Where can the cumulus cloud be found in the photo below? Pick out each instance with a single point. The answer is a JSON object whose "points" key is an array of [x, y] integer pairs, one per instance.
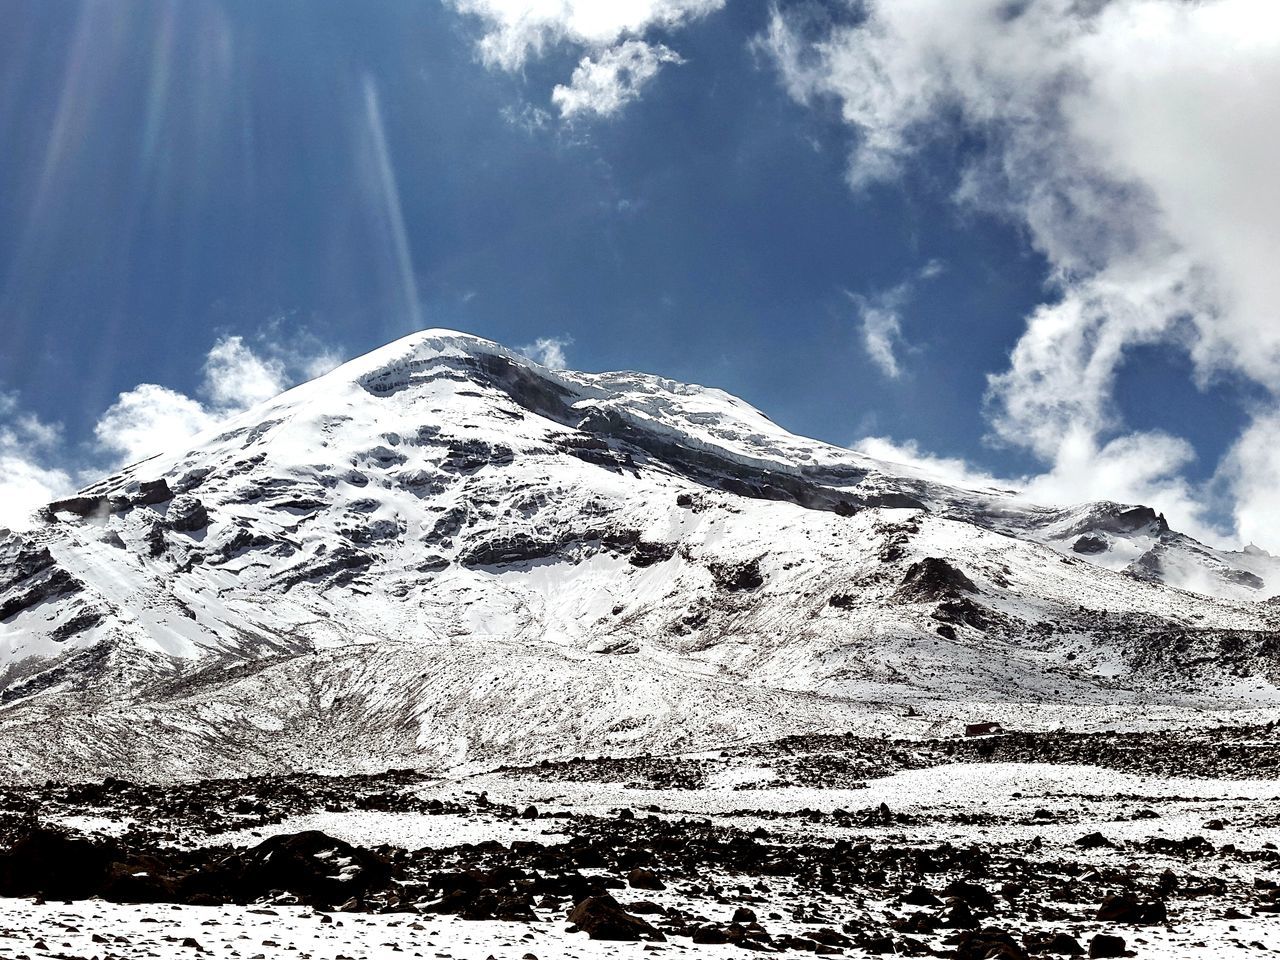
{"points": [[602, 84], [548, 351], [235, 377], [150, 419], [1135, 468], [37, 466], [516, 30], [1251, 470], [617, 61], [1134, 142], [27, 482]]}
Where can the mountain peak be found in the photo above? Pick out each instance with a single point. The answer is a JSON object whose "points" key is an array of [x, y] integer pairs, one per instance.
{"points": [[444, 520]]}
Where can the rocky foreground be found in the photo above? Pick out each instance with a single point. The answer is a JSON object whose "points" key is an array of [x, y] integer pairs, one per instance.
{"points": [[1008, 846]]}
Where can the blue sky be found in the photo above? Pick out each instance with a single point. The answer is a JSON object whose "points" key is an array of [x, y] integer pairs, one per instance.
{"points": [[754, 202]]}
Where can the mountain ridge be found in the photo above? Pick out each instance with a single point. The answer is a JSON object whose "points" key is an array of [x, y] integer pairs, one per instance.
{"points": [[379, 535]]}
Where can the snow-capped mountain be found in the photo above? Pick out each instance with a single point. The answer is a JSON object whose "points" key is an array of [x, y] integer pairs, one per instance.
{"points": [[443, 552]]}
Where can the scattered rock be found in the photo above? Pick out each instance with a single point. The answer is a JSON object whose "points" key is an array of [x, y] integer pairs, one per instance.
{"points": [[1106, 945]]}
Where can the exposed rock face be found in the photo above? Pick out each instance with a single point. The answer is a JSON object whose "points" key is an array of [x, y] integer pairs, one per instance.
{"points": [[29, 576], [1090, 543], [444, 509], [187, 514], [934, 578]]}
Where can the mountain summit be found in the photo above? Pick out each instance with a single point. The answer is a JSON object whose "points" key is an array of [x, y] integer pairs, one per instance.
{"points": [[443, 552]]}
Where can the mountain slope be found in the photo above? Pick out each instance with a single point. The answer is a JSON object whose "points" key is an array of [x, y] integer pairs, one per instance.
{"points": [[443, 552]]}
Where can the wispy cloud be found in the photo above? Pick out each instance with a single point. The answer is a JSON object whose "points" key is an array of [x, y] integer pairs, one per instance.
{"points": [[603, 83], [881, 332], [617, 60], [548, 351], [880, 320], [1134, 142]]}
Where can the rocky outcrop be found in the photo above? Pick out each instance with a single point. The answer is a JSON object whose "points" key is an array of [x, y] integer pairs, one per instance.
{"points": [[934, 578]]}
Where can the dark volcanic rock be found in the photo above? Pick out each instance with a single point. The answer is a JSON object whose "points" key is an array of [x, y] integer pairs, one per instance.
{"points": [[601, 918], [1106, 945], [643, 879], [29, 575], [1125, 908], [934, 578], [187, 514], [151, 492], [1090, 543], [735, 577], [1093, 841], [317, 868], [1063, 944], [989, 944], [50, 864]]}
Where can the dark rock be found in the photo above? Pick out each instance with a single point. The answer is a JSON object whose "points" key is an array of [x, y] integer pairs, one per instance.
{"points": [[1106, 945], [1090, 543], [934, 579], [957, 915], [1124, 908], [643, 879], [320, 870], [920, 897], [601, 918], [878, 945], [1063, 944], [988, 944], [151, 492], [737, 577], [1092, 841], [48, 863], [186, 514]]}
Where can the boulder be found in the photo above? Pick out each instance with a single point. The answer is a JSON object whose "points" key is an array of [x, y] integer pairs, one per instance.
{"points": [[643, 879], [48, 863], [600, 917], [318, 869], [186, 514], [1106, 945]]}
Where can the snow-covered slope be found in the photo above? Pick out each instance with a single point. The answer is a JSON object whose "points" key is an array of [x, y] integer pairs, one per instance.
{"points": [[444, 552]]}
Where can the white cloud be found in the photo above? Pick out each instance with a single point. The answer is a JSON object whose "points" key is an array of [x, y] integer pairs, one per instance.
{"points": [[1251, 473], [604, 83], [1136, 468], [617, 61], [36, 465], [881, 333], [880, 319], [150, 419], [926, 466], [517, 30], [1135, 142], [548, 351], [26, 481], [236, 378]]}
